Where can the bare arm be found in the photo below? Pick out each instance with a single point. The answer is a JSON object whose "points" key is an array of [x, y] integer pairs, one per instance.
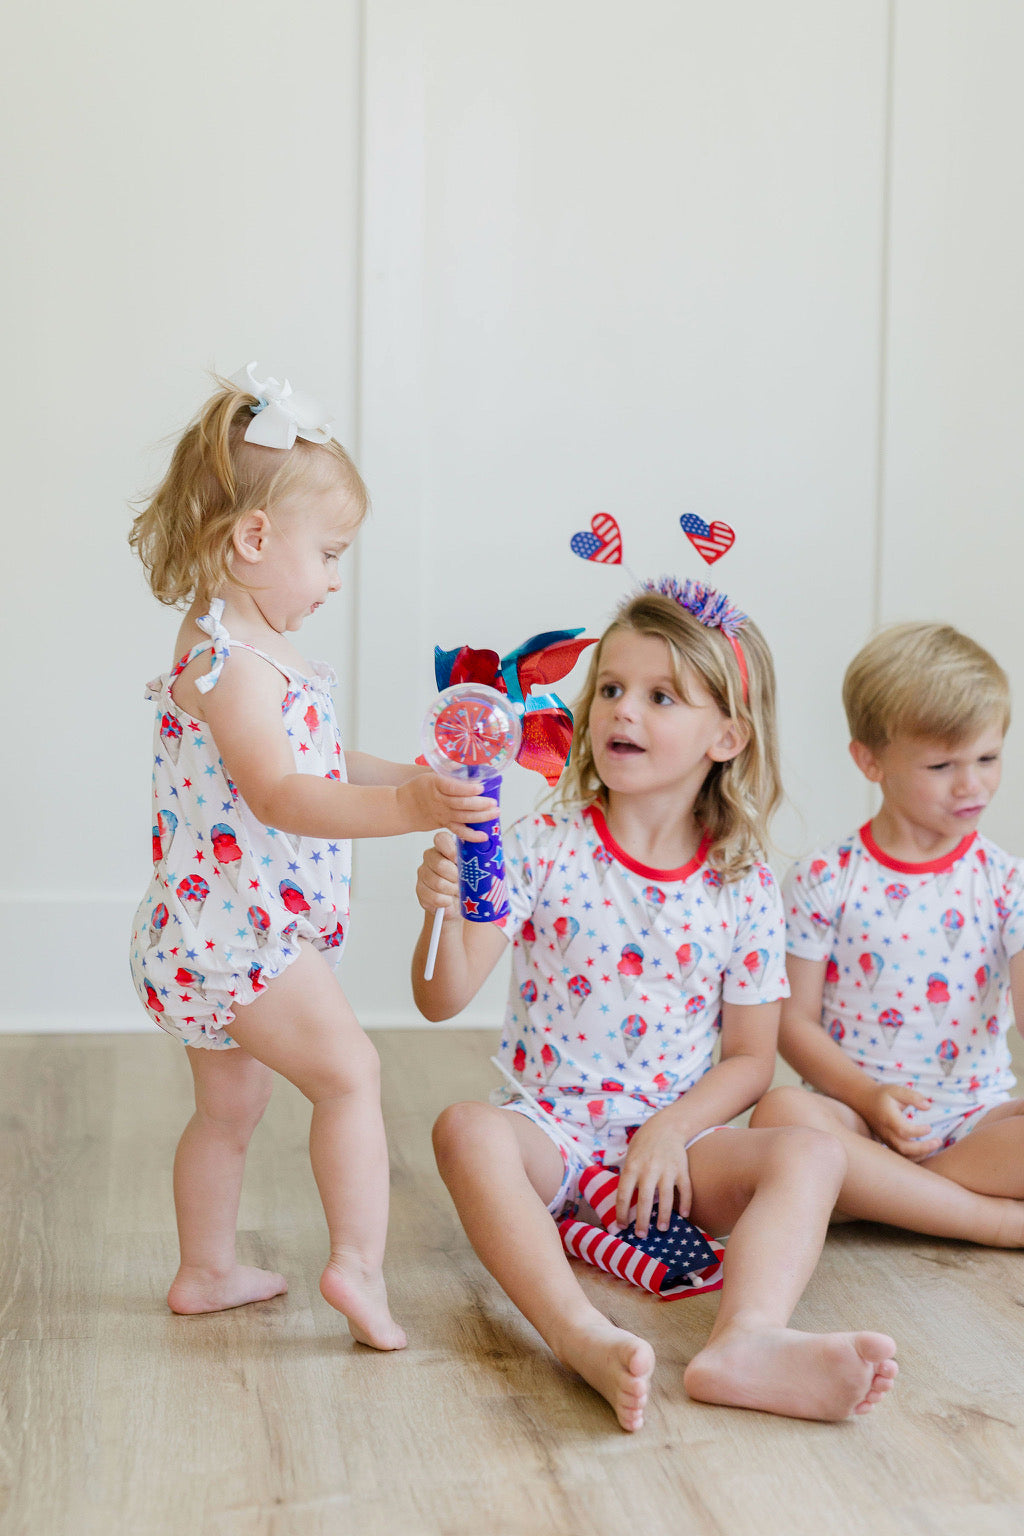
{"points": [[243, 714], [1017, 989], [656, 1165], [808, 1048], [812, 1052], [362, 768], [466, 952]]}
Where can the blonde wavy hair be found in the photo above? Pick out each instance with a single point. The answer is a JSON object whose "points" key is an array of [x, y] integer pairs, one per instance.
{"points": [[183, 532], [738, 798], [923, 680]]}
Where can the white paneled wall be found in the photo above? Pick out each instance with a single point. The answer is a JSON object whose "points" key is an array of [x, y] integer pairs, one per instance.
{"points": [[755, 262], [953, 507]]}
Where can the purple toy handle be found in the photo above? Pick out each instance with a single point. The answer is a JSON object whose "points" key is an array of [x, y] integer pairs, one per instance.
{"points": [[482, 890]]}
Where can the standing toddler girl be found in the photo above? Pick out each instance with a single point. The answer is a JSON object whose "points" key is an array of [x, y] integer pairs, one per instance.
{"points": [[246, 914], [642, 923]]}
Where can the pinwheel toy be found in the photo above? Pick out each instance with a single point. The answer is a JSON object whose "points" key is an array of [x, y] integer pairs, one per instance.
{"points": [[472, 732], [484, 718]]}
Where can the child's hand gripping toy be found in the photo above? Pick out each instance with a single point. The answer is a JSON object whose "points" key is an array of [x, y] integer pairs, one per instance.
{"points": [[472, 732], [484, 718]]}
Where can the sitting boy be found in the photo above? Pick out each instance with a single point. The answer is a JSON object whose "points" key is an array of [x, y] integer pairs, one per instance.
{"points": [[906, 954]]}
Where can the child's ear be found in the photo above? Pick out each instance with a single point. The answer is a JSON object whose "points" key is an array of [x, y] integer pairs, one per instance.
{"points": [[733, 738], [866, 761], [250, 536]]}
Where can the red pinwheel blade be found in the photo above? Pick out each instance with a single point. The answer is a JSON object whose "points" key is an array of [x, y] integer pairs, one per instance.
{"points": [[547, 737], [477, 667], [547, 666]]}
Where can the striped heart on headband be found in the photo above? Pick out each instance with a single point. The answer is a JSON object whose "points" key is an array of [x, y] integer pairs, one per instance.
{"points": [[710, 540], [603, 545]]}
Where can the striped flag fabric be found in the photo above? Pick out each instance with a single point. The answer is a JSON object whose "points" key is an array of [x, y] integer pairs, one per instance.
{"points": [[670, 1265], [710, 540], [603, 544]]}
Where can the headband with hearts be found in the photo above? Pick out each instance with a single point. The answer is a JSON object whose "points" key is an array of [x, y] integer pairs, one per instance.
{"points": [[712, 609], [602, 545]]}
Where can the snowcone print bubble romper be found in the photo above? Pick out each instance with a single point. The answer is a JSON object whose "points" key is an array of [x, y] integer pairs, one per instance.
{"points": [[230, 898]]}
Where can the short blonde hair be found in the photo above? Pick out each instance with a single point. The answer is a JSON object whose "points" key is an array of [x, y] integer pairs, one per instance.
{"points": [[183, 532], [737, 799], [923, 680]]}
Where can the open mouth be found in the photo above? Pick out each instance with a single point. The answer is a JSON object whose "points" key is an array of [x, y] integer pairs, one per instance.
{"points": [[620, 746]]}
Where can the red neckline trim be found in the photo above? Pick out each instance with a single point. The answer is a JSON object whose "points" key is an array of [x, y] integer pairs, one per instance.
{"points": [[932, 867], [601, 828]]}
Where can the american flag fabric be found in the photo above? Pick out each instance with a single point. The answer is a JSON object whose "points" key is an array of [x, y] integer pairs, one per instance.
{"points": [[603, 545], [680, 1262], [710, 540]]}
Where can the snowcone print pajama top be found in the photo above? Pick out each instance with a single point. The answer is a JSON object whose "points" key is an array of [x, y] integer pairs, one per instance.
{"points": [[619, 972], [917, 985]]}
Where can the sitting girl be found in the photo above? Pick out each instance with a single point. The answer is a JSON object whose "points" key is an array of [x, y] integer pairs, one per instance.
{"points": [[643, 924]]}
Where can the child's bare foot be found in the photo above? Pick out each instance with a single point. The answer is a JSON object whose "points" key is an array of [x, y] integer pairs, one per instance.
{"points": [[363, 1299], [615, 1363], [803, 1375], [200, 1290]]}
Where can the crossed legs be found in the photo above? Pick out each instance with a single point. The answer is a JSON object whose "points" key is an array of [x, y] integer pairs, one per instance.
{"points": [[973, 1190]]}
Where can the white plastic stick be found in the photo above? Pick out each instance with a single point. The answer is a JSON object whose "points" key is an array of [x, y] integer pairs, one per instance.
{"points": [[557, 1134], [435, 936]]}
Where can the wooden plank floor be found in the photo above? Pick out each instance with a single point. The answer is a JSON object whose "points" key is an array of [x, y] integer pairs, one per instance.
{"points": [[117, 1417]]}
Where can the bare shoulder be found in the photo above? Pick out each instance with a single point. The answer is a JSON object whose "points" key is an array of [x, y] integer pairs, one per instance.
{"points": [[243, 670]]}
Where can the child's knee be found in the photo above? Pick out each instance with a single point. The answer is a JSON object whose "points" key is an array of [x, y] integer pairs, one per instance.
{"points": [[781, 1106], [355, 1068], [235, 1110], [804, 1151], [458, 1129]]}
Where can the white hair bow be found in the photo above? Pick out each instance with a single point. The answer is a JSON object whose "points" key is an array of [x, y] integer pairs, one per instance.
{"points": [[280, 414]]}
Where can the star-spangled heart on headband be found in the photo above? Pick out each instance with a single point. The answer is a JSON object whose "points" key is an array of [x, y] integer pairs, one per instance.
{"points": [[546, 721], [710, 540], [603, 545]]}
